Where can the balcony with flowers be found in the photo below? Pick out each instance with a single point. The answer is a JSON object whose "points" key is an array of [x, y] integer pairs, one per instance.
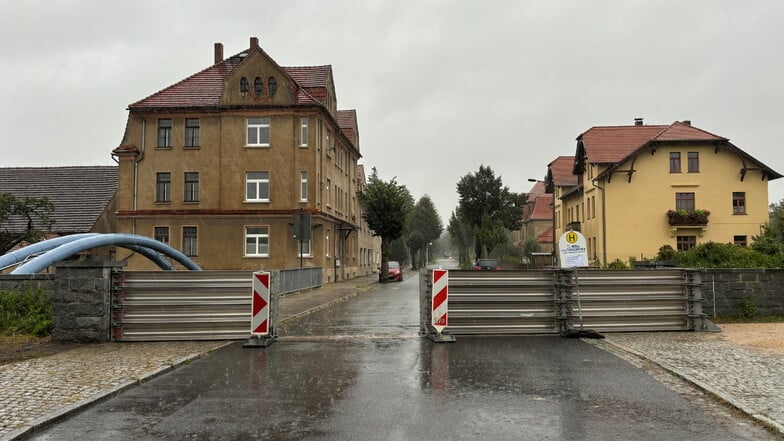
{"points": [[688, 219]]}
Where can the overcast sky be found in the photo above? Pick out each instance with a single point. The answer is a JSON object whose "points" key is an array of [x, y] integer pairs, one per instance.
{"points": [[440, 87]]}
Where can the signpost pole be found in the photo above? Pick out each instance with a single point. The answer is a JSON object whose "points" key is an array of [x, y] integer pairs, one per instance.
{"points": [[573, 254]]}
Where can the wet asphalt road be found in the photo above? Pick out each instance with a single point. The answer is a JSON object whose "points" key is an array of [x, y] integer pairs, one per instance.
{"points": [[358, 371]]}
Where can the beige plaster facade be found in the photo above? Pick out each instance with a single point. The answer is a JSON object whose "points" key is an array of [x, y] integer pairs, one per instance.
{"points": [[218, 165]]}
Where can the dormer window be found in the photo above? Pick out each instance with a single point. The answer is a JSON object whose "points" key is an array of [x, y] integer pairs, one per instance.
{"points": [[273, 86], [244, 86], [258, 86]]}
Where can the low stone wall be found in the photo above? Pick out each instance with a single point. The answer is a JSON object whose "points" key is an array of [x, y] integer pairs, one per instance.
{"points": [[82, 301], [27, 282], [741, 292]]}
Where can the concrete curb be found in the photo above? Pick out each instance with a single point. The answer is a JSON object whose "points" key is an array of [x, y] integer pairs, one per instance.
{"points": [[720, 395], [64, 412]]}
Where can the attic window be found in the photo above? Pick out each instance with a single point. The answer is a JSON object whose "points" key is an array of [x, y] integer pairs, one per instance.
{"points": [[244, 86], [258, 86], [273, 86]]}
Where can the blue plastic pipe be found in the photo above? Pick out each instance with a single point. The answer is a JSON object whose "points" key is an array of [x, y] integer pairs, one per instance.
{"points": [[21, 254], [69, 249]]}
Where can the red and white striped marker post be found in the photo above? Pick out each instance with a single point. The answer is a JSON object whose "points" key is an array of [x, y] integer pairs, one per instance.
{"points": [[260, 312], [440, 299], [259, 322]]}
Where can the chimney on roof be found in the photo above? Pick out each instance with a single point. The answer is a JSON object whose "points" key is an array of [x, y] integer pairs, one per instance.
{"points": [[218, 52], [254, 42], [687, 122], [637, 121]]}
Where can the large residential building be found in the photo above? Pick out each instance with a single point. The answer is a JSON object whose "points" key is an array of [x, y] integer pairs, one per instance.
{"points": [[218, 165], [639, 187]]}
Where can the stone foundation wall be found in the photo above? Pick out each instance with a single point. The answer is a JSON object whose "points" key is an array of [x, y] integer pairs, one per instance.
{"points": [[82, 301], [25, 283], [740, 292]]}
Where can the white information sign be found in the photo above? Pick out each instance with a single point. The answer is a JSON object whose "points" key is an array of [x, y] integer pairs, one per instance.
{"points": [[572, 250]]}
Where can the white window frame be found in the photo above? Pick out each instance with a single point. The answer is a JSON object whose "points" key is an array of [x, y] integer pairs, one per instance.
{"points": [[307, 249], [194, 250], [326, 192], [259, 184], [190, 187], [192, 129], [260, 238], [303, 131], [161, 228], [303, 186], [163, 184], [260, 125], [165, 126]]}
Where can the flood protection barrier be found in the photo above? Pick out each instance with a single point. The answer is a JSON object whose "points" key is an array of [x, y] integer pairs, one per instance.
{"points": [[546, 301]]}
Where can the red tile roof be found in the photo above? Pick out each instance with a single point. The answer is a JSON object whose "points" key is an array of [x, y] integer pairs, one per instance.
{"points": [[200, 89], [537, 190], [347, 120], [310, 76], [608, 145], [546, 236], [205, 88], [542, 208], [615, 145], [561, 170]]}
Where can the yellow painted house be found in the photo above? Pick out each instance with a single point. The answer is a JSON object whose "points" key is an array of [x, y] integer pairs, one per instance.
{"points": [[640, 187]]}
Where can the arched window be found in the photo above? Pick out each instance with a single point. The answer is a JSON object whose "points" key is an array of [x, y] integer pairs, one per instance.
{"points": [[258, 86], [273, 86], [243, 86]]}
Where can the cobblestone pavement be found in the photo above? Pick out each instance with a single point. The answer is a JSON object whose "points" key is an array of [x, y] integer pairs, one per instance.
{"points": [[45, 387], [748, 379]]}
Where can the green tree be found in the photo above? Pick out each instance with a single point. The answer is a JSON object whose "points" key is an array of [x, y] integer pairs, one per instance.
{"points": [[386, 207], [23, 220], [771, 241], [398, 250], [489, 207], [461, 236], [531, 246], [424, 226]]}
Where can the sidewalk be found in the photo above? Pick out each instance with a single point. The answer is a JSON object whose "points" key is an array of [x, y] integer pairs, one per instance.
{"points": [[36, 391], [750, 380]]}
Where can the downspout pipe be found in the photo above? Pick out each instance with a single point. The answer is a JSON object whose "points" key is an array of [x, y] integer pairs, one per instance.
{"points": [[136, 175], [604, 222]]}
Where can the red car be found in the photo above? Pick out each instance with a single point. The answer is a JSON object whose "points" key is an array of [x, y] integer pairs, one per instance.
{"points": [[395, 271]]}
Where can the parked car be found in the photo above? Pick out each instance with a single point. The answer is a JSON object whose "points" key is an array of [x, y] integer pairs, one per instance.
{"points": [[395, 271], [487, 265]]}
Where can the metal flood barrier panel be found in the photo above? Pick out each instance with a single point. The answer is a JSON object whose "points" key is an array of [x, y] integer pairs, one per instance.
{"points": [[546, 301], [631, 300], [498, 302], [181, 305]]}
